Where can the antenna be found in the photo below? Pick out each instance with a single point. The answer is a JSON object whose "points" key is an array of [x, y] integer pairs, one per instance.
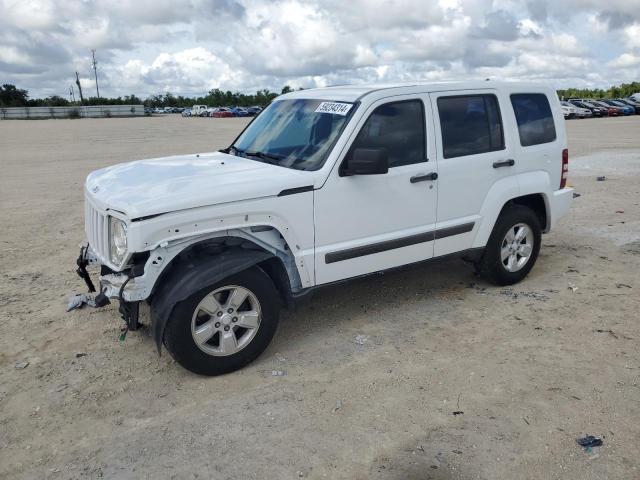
{"points": [[95, 70], [79, 88]]}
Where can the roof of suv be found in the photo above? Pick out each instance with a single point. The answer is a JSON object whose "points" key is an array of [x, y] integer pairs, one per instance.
{"points": [[352, 93]]}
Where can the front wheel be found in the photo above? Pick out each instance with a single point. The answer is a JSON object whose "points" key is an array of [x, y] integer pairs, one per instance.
{"points": [[224, 326], [513, 246]]}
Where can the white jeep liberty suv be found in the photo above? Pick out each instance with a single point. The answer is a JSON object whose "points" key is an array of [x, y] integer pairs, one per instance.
{"points": [[325, 185]]}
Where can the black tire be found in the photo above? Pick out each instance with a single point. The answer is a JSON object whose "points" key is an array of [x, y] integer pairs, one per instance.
{"points": [[180, 343], [491, 266]]}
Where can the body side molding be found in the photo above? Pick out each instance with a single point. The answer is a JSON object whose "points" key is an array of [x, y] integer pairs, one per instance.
{"points": [[379, 247]]}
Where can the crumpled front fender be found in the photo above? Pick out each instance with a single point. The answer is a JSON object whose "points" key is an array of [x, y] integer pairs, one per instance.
{"points": [[193, 273]]}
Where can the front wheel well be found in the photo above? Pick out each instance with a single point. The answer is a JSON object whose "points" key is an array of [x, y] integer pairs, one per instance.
{"points": [[535, 202], [276, 270], [273, 266]]}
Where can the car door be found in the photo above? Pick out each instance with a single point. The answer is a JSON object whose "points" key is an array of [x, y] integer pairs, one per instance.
{"points": [[367, 223], [473, 154]]}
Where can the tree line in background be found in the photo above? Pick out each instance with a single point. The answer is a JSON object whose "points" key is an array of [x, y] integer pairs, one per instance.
{"points": [[11, 96], [622, 91]]}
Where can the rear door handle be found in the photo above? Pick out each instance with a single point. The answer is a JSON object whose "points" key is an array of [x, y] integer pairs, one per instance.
{"points": [[504, 163], [429, 177]]}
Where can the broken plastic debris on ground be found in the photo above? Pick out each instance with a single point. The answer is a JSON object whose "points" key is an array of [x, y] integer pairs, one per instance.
{"points": [[79, 300], [589, 441], [22, 365], [591, 445]]}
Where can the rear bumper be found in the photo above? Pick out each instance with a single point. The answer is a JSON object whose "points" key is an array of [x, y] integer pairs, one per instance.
{"points": [[559, 204]]}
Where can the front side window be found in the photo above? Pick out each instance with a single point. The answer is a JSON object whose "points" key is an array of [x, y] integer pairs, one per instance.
{"points": [[296, 133], [534, 117], [470, 124], [398, 128]]}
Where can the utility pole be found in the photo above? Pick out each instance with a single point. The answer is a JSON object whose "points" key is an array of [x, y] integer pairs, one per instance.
{"points": [[95, 71], [72, 96], [79, 88]]}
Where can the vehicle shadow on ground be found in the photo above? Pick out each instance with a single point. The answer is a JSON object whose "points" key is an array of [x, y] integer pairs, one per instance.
{"points": [[377, 295]]}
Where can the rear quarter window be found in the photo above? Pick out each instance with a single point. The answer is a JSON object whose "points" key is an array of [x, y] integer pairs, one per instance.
{"points": [[534, 117]]}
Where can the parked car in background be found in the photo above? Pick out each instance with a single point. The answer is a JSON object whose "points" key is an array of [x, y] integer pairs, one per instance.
{"points": [[148, 110], [612, 111], [158, 110], [196, 110], [253, 111], [595, 110], [222, 112], [584, 112], [568, 110], [626, 109], [239, 112], [630, 103], [635, 97], [186, 112]]}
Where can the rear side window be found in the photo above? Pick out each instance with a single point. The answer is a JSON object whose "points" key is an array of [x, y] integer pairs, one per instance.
{"points": [[470, 124], [397, 127], [535, 121]]}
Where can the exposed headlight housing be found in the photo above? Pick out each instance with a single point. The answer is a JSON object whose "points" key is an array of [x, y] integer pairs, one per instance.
{"points": [[117, 240]]}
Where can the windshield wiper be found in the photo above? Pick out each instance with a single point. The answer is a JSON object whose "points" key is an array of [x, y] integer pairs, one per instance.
{"points": [[268, 157]]}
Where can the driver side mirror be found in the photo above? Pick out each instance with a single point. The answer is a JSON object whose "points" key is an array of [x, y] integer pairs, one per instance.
{"points": [[366, 161]]}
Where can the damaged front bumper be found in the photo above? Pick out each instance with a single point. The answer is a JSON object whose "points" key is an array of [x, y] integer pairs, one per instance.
{"points": [[136, 282], [126, 287], [130, 285]]}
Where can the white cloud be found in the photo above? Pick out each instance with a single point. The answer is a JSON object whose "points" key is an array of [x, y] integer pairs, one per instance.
{"points": [[12, 55], [181, 72], [632, 35], [626, 60], [190, 46]]}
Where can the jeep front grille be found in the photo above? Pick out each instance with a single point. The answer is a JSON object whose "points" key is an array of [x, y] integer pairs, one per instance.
{"points": [[96, 228]]}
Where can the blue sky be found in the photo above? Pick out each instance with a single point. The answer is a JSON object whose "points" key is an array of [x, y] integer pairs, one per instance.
{"points": [[188, 47]]}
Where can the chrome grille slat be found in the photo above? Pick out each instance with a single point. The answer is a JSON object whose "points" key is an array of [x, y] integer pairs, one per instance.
{"points": [[95, 225], [104, 230]]}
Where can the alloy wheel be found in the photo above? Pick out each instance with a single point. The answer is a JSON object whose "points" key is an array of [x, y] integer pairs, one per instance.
{"points": [[226, 320]]}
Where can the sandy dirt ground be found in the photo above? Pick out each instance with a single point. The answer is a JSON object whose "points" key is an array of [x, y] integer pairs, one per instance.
{"points": [[374, 370]]}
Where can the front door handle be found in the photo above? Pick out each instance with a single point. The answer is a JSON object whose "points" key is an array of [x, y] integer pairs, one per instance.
{"points": [[429, 177], [504, 163]]}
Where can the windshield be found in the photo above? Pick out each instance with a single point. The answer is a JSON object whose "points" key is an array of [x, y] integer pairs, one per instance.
{"points": [[295, 133]]}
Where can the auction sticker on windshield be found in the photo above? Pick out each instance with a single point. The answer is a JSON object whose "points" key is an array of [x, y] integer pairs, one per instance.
{"points": [[336, 108]]}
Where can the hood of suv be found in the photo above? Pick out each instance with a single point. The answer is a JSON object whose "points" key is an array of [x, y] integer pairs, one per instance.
{"points": [[161, 185]]}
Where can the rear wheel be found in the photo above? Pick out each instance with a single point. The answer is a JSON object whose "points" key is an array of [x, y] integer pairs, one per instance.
{"points": [[513, 246], [224, 326]]}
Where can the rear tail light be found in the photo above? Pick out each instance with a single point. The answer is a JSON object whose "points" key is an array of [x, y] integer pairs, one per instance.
{"points": [[565, 168]]}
